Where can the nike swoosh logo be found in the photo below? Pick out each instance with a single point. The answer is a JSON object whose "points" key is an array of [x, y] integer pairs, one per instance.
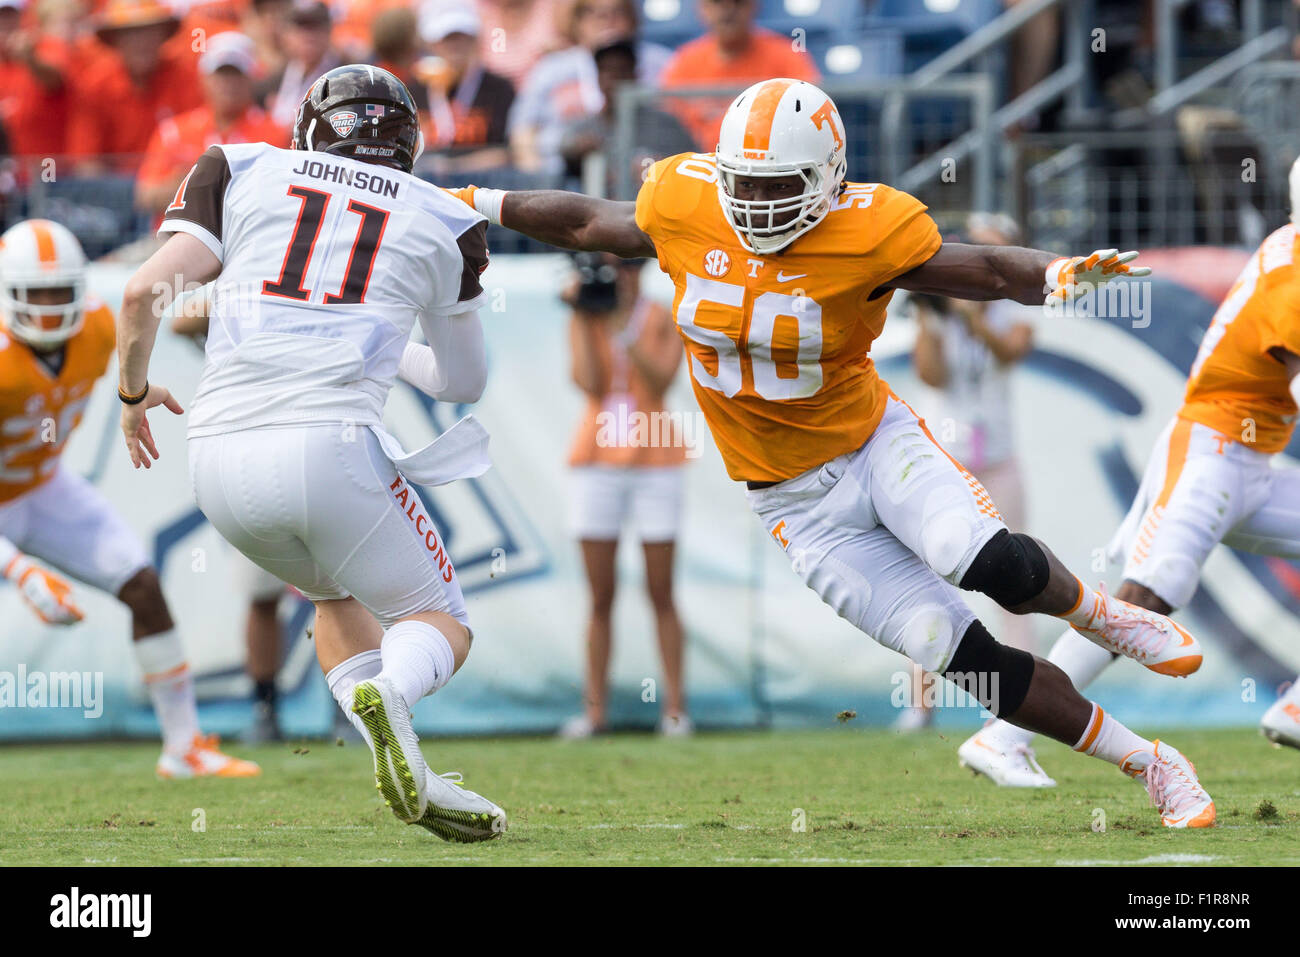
{"points": [[782, 277]]}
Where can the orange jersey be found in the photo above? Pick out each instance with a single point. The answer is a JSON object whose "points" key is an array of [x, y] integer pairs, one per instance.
{"points": [[38, 411], [1236, 387], [180, 140], [777, 345]]}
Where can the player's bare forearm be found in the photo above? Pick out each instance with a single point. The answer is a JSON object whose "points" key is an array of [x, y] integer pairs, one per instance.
{"points": [[981, 273], [575, 221]]}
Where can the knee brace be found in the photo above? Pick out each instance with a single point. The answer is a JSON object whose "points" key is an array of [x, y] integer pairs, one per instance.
{"points": [[995, 675], [1010, 568]]}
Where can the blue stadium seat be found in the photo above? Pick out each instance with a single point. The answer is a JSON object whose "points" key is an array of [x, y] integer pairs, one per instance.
{"points": [[862, 56], [815, 16], [931, 26], [670, 22]]}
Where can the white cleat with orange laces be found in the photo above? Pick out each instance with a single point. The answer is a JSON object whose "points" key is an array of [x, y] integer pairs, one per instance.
{"points": [[1149, 638], [203, 760], [1171, 781]]}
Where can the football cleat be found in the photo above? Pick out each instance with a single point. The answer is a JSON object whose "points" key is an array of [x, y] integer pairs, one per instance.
{"points": [[1281, 722], [1149, 638], [456, 813], [400, 772], [1171, 781], [1008, 766], [204, 760]]}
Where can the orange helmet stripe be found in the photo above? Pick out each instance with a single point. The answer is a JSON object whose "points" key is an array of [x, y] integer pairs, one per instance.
{"points": [[44, 243], [758, 127]]}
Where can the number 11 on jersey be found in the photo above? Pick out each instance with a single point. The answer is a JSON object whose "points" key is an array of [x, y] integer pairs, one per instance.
{"points": [[306, 231]]}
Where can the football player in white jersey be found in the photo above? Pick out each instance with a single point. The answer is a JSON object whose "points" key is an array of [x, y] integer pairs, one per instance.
{"points": [[325, 256]]}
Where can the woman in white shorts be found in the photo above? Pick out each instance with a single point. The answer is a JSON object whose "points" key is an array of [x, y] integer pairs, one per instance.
{"points": [[627, 459]]}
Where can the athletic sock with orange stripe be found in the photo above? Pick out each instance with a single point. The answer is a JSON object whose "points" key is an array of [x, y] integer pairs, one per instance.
{"points": [[171, 688], [1089, 612], [1109, 740]]}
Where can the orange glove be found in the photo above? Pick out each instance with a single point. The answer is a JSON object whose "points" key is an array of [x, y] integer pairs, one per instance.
{"points": [[1070, 277], [48, 595]]}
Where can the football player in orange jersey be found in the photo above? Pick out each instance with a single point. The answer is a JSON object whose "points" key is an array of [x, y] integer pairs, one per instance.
{"points": [[782, 273], [1210, 479], [54, 343]]}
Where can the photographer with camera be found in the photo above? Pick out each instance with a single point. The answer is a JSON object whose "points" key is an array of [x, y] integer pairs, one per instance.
{"points": [[627, 459]]}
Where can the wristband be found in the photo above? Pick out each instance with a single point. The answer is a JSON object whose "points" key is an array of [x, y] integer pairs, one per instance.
{"points": [[1053, 273], [488, 202], [132, 399]]}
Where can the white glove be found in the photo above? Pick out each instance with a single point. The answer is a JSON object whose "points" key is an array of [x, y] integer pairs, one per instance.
{"points": [[48, 595], [1070, 277]]}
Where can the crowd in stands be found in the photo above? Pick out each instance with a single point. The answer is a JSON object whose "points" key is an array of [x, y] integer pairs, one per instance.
{"points": [[121, 96], [135, 90]]}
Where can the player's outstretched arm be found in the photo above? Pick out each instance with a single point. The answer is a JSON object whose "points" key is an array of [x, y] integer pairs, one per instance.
{"points": [[182, 261], [1029, 276], [565, 219]]}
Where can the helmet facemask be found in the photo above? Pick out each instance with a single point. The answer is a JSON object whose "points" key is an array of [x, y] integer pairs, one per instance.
{"points": [[40, 326], [753, 219]]}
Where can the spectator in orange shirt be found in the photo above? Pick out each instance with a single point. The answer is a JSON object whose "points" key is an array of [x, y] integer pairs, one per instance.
{"points": [[120, 99], [734, 52], [34, 94], [203, 19], [229, 116], [308, 54]]}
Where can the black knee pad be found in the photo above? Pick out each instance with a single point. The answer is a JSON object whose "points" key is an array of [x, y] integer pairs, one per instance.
{"points": [[995, 675], [1011, 569]]}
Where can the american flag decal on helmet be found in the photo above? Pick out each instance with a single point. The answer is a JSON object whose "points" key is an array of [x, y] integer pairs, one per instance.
{"points": [[374, 109]]}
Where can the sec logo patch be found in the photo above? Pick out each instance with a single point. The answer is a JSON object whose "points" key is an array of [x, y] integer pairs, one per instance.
{"points": [[717, 262]]}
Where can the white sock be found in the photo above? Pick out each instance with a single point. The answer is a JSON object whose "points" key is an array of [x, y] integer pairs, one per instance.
{"points": [[171, 688], [1079, 658], [343, 677], [418, 659], [1109, 740]]}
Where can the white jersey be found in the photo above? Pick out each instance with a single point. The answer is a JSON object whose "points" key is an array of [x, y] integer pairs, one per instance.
{"points": [[327, 264]]}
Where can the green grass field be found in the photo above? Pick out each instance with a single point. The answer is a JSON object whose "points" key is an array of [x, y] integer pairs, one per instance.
{"points": [[869, 797]]}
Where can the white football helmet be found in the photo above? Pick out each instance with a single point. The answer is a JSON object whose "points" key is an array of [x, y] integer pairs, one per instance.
{"points": [[39, 254], [778, 128]]}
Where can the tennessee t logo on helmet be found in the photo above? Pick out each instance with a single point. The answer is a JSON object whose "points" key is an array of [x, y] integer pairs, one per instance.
{"points": [[777, 128]]}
